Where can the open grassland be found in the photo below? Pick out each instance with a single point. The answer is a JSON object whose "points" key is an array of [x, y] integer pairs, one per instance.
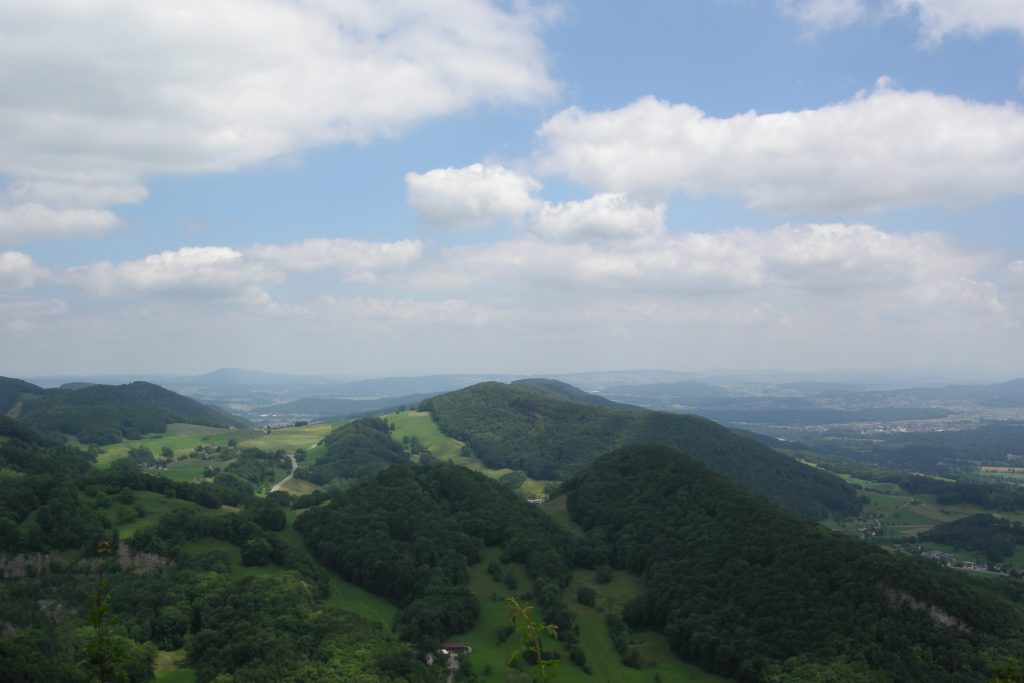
{"points": [[183, 438], [299, 487], [898, 512], [900, 516], [288, 438], [147, 508], [169, 667], [604, 661], [556, 508], [179, 437], [421, 425]]}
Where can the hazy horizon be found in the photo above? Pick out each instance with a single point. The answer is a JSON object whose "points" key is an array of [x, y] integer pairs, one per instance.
{"points": [[531, 188]]}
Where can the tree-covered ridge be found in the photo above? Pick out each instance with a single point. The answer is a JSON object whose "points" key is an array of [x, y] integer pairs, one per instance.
{"points": [[753, 592], [272, 628], [354, 452], [411, 534], [14, 391], [557, 389], [994, 537], [162, 591], [522, 428], [103, 414]]}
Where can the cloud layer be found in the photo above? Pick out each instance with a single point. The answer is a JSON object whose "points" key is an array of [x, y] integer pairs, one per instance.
{"points": [[882, 149], [99, 96]]}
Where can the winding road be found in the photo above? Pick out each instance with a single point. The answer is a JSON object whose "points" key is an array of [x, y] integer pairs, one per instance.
{"points": [[278, 485]]}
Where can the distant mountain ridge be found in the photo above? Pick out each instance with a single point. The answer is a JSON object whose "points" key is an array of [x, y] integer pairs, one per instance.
{"points": [[103, 414], [336, 408], [524, 427]]}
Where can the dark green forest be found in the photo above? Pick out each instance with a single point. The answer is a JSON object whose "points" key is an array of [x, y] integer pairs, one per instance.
{"points": [[992, 536], [104, 414], [355, 452], [411, 534], [753, 592], [737, 585], [155, 592], [549, 437]]}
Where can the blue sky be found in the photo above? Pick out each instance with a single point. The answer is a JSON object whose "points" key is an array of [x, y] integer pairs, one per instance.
{"points": [[354, 187]]}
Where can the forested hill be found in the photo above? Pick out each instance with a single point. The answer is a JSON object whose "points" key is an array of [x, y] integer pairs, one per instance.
{"points": [[557, 389], [15, 392], [524, 428], [103, 414], [753, 592]]}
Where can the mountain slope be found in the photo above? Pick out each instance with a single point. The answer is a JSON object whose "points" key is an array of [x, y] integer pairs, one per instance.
{"points": [[337, 408], [523, 428], [756, 593], [14, 391], [104, 414], [557, 389]]}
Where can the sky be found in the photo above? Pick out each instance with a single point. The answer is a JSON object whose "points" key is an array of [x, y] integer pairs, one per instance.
{"points": [[385, 187]]}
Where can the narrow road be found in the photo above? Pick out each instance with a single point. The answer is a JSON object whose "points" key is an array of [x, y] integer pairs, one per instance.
{"points": [[291, 474]]}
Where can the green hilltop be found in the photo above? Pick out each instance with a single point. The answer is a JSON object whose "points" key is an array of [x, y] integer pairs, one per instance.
{"points": [[549, 434], [105, 414]]}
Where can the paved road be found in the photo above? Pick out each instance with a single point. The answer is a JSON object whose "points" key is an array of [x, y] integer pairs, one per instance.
{"points": [[291, 474]]}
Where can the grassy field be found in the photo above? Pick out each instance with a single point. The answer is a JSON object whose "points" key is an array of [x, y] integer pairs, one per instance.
{"points": [[555, 507], [595, 642], [179, 437], [154, 506], [169, 667], [422, 426], [903, 515], [288, 438], [183, 438]]}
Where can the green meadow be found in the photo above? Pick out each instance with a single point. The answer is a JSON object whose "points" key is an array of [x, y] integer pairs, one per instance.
{"points": [[183, 438], [421, 425]]}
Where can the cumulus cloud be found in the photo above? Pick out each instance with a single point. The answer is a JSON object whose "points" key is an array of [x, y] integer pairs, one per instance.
{"points": [[819, 15], [120, 89], [880, 149], [940, 18], [472, 196], [24, 222], [199, 271], [18, 271], [100, 95], [607, 216], [357, 260]]}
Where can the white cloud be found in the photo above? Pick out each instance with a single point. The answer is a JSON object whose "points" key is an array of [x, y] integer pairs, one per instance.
{"points": [[603, 216], [115, 90], [940, 18], [25, 222], [472, 196], [74, 195], [881, 149], [821, 15], [18, 271], [357, 260], [198, 271]]}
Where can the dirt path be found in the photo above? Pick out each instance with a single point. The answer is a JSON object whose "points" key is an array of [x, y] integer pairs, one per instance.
{"points": [[278, 485]]}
